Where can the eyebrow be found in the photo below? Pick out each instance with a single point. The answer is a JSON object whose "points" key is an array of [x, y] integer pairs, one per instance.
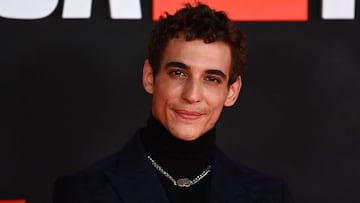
{"points": [[184, 66], [176, 64], [217, 72]]}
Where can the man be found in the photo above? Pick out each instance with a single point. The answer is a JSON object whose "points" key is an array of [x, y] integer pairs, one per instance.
{"points": [[193, 70]]}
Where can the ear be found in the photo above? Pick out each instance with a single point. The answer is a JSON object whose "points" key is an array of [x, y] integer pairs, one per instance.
{"points": [[233, 93], [148, 77]]}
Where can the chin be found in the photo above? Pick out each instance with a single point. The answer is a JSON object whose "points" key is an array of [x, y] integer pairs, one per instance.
{"points": [[186, 137]]}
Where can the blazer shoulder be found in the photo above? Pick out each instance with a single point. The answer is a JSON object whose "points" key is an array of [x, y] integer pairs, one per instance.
{"points": [[93, 181], [84, 184], [256, 183]]}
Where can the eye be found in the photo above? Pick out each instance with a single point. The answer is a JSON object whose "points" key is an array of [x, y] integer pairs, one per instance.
{"points": [[213, 79], [177, 73]]}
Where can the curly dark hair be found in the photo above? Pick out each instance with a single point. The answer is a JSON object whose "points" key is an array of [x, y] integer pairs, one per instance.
{"points": [[199, 22]]}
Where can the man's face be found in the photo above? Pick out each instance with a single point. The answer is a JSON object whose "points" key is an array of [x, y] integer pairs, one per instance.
{"points": [[191, 87]]}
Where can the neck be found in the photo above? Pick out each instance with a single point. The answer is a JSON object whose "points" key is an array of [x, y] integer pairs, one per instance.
{"points": [[178, 157]]}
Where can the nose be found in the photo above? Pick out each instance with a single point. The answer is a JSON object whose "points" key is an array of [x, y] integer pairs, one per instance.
{"points": [[192, 91]]}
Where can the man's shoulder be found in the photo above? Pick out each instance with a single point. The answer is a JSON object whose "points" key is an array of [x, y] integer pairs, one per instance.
{"points": [[256, 183], [109, 163], [95, 177], [96, 168], [82, 185], [87, 178]]}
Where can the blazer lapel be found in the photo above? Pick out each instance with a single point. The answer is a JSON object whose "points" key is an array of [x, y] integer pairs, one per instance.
{"points": [[134, 179], [226, 186]]}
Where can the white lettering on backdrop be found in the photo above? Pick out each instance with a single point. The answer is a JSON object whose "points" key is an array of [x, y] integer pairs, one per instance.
{"points": [[27, 9], [119, 9], [338, 9], [129, 9]]}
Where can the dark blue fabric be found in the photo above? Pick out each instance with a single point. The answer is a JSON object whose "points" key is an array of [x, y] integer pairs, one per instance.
{"points": [[128, 176]]}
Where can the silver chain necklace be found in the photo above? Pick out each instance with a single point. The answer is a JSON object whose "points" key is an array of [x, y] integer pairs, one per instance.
{"points": [[181, 182]]}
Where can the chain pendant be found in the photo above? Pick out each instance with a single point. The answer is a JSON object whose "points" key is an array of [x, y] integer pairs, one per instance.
{"points": [[184, 182]]}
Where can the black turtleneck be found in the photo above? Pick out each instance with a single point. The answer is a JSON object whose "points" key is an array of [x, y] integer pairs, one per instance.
{"points": [[180, 159]]}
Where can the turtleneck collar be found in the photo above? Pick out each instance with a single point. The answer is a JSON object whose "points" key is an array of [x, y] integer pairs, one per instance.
{"points": [[178, 157]]}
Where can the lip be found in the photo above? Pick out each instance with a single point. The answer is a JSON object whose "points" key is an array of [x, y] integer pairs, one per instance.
{"points": [[188, 115]]}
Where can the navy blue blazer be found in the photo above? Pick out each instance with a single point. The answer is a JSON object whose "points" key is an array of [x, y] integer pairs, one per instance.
{"points": [[128, 176]]}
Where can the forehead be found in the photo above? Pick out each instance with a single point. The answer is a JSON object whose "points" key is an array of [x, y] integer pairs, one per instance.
{"points": [[197, 54]]}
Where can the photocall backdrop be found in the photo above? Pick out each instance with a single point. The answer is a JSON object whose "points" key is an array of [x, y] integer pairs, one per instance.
{"points": [[71, 94]]}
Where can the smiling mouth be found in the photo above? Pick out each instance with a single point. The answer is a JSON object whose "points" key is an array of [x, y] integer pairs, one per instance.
{"points": [[188, 115]]}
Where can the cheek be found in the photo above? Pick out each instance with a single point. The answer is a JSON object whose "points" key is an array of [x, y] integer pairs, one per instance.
{"points": [[216, 99], [169, 90], [164, 94]]}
